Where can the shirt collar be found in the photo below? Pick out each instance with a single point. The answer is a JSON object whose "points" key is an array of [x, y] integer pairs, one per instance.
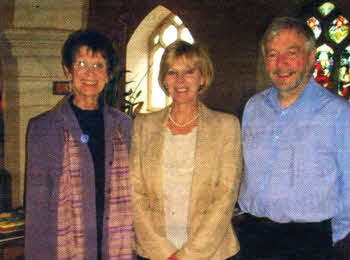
{"points": [[304, 101]]}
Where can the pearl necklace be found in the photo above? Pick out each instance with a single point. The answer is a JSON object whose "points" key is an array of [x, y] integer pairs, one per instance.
{"points": [[185, 124]]}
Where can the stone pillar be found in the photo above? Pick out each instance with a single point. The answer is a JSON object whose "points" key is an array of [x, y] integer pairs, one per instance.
{"points": [[30, 44]]}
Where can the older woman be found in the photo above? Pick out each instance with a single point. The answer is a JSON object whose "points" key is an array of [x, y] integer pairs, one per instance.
{"points": [[185, 167], [78, 191]]}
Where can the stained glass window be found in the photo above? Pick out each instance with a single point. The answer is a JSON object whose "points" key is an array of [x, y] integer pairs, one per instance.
{"points": [[339, 29], [326, 8], [344, 74], [331, 30], [323, 65], [315, 25]]}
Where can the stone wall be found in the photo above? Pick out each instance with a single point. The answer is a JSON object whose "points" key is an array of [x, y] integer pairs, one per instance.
{"points": [[31, 36]]}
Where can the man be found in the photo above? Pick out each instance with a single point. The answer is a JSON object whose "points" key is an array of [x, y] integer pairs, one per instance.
{"points": [[296, 139]]}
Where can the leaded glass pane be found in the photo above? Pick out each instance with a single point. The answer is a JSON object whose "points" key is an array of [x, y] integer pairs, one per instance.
{"points": [[326, 8], [169, 35], [339, 29], [324, 64], [186, 36], [344, 74], [158, 96], [315, 26]]}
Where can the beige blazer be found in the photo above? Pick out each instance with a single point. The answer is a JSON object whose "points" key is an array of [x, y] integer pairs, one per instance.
{"points": [[215, 185]]}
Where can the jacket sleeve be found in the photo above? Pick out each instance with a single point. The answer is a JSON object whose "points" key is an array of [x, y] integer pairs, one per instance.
{"points": [[154, 244], [215, 224], [37, 197]]}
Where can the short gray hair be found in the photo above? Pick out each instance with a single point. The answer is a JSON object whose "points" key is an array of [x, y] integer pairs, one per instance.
{"points": [[286, 23]]}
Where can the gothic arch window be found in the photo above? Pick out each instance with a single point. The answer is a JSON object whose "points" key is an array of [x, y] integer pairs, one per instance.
{"points": [[170, 30], [331, 29], [144, 49]]}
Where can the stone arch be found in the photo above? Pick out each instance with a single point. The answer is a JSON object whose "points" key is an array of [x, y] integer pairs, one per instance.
{"points": [[137, 48]]}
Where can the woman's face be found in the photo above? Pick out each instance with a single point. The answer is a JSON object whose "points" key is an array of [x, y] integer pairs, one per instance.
{"points": [[183, 82], [89, 75]]}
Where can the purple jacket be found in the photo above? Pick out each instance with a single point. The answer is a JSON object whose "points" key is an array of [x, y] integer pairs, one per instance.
{"points": [[43, 168]]}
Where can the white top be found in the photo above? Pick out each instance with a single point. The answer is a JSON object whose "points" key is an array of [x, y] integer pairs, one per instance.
{"points": [[178, 165]]}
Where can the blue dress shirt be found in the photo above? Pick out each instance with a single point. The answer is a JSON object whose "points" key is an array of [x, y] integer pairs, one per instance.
{"points": [[297, 159]]}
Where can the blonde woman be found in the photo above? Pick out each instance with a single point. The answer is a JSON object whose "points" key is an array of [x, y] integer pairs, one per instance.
{"points": [[185, 167]]}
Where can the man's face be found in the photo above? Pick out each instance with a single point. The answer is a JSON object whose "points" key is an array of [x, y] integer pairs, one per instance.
{"points": [[287, 61]]}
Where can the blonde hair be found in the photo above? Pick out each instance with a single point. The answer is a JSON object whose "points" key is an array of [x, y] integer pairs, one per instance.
{"points": [[193, 55]]}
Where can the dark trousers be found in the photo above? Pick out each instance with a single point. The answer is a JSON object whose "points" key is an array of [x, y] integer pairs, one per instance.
{"points": [[262, 239], [231, 258]]}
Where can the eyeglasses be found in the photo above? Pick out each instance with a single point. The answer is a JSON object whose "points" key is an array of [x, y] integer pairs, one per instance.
{"points": [[96, 67]]}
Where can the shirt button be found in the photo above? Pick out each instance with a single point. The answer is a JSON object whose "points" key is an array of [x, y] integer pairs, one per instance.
{"points": [[276, 137]]}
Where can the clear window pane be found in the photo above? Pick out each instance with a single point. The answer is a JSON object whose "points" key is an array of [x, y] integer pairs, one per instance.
{"points": [[156, 39], [186, 36], [169, 35], [315, 26], [324, 64], [174, 30], [344, 74], [158, 96], [177, 20], [326, 8], [339, 29]]}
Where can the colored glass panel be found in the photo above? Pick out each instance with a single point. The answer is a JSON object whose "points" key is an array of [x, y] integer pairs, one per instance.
{"points": [[323, 65], [315, 26], [326, 8], [339, 29], [344, 74]]}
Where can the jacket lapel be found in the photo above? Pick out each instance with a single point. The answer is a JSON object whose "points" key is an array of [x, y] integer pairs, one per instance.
{"points": [[155, 152], [203, 156]]}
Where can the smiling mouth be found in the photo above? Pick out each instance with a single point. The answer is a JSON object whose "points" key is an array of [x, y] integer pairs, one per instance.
{"points": [[284, 75], [89, 83], [181, 90]]}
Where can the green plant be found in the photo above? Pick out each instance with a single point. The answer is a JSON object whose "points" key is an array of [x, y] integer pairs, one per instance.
{"points": [[129, 103]]}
